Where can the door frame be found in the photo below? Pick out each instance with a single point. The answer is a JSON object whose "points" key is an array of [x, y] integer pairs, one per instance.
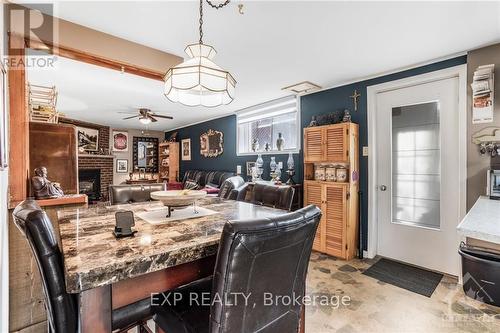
{"points": [[459, 72]]}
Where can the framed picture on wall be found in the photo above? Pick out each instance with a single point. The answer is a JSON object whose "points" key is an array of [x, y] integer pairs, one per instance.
{"points": [[88, 139], [3, 121], [120, 141], [250, 165], [186, 150], [121, 166]]}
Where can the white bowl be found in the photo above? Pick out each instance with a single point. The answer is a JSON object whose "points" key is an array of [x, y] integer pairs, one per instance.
{"points": [[178, 198]]}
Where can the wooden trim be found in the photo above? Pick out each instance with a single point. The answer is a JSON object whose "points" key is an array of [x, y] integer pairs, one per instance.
{"points": [[64, 200], [93, 59], [18, 125], [132, 290]]}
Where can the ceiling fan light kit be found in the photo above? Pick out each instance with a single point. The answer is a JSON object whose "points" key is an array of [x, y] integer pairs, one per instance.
{"points": [[198, 80]]}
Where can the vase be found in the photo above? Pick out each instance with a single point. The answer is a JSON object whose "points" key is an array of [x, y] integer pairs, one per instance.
{"points": [[280, 142], [255, 145]]}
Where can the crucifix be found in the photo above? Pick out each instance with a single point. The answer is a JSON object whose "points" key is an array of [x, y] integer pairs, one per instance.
{"points": [[354, 97]]}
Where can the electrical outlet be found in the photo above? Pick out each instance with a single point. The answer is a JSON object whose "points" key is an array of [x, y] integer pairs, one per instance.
{"points": [[280, 165], [365, 151]]}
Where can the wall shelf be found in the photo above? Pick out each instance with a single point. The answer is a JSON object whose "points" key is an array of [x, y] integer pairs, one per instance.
{"points": [[96, 156]]}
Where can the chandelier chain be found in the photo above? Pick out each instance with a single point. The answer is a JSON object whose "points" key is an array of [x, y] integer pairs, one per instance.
{"points": [[201, 21], [219, 6]]}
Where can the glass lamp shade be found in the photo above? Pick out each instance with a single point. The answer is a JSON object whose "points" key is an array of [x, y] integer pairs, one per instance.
{"points": [[198, 80]]}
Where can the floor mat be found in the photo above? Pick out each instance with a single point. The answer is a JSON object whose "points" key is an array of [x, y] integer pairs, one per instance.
{"points": [[408, 277]]}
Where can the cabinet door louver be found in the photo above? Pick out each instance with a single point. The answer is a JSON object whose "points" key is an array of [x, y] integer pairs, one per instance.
{"points": [[336, 149], [313, 145], [313, 197], [335, 216]]}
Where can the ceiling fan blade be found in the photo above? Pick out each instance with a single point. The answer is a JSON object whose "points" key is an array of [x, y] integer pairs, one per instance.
{"points": [[153, 119], [127, 112], [136, 116], [160, 116]]}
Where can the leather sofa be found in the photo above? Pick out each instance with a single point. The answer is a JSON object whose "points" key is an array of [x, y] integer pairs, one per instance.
{"points": [[231, 188], [202, 178], [123, 194]]}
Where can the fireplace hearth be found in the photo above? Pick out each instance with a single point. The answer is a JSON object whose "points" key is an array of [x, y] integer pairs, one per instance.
{"points": [[89, 181]]}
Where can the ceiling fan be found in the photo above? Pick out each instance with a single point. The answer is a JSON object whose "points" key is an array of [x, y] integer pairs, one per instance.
{"points": [[146, 116]]}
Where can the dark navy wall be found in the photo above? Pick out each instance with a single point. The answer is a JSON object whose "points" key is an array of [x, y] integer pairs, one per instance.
{"points": [[228, 160], [322, 102]]}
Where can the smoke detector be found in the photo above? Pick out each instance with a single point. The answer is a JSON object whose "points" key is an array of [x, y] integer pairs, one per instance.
{"points": [[302, 87]]}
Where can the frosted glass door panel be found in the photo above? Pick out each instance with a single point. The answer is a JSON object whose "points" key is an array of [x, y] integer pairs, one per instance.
{"points": [[416, 165]]}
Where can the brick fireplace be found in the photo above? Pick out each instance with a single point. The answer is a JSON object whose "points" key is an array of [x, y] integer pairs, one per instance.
{"points": [[103, 163]]}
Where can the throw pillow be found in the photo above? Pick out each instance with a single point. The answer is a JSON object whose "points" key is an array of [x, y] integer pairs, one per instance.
{"points": [[190, 185]]}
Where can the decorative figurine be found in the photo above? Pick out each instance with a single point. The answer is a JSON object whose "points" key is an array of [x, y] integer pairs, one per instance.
{"points": [[313, 122], [280, 142], [44, 188], [347, 116], [255, 145], [267, 147]]}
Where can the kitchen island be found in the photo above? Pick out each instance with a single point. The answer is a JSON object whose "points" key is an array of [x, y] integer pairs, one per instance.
{"points": [[108, 273]]}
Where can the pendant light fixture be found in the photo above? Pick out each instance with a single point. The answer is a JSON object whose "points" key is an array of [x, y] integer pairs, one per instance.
{"points": [[198, 80]]}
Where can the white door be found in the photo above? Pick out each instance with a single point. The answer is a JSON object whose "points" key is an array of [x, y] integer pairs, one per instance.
{"points": [[418, 186]]}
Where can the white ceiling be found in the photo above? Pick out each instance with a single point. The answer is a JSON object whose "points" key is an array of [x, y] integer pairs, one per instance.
{"points": [[272, 45]]}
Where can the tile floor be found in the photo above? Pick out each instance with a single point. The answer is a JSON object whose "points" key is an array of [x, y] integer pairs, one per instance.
{"points": [[377, 307]]}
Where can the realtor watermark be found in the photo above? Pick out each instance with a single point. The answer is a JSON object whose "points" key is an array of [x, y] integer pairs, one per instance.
{"points": [[33, 26], [248, 299]]}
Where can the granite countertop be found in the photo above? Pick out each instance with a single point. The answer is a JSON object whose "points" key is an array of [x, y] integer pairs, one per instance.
{"points": [[482, 221], [93, 257]]}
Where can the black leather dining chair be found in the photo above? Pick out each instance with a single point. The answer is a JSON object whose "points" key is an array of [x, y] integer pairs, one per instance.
{"points": [[280, 197], [124, 194], [255, 257], [62, 311]]}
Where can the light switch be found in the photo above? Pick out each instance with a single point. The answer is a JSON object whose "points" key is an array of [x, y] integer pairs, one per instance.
{"points": [[365, 151], [280, 165], [238, 169]]}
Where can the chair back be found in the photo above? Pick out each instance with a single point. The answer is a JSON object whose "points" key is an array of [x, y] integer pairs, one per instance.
{"points": [[229, 187], [273, 196], [62, 312], [262, 256], [123, 194]]}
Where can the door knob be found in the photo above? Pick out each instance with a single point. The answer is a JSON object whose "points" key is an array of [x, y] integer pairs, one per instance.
{"points": [[383, 187]]}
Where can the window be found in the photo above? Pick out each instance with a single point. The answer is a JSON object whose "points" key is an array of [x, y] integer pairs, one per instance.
{"points": [[265, 123]]}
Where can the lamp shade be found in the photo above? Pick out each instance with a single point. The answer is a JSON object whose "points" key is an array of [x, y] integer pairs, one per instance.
{"points": [[198, 80]]}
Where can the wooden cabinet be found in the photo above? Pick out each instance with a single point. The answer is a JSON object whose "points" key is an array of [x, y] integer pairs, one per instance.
{"points": [[169, 161], [337, 234], [327, 143]]}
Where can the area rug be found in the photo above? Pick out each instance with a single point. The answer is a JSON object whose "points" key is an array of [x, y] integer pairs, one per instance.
{"points": [[404, 276], [158, 215]]}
